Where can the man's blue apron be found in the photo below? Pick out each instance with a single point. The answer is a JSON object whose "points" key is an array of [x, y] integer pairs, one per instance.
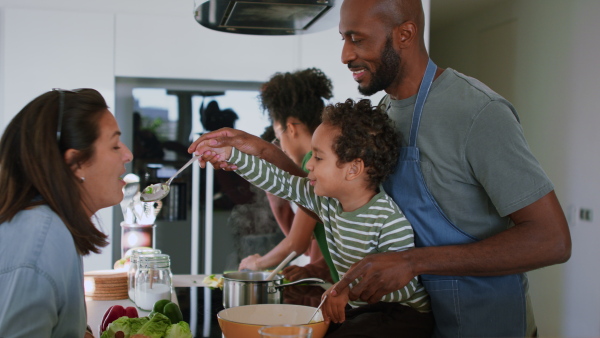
{"points": [[463, 306]]}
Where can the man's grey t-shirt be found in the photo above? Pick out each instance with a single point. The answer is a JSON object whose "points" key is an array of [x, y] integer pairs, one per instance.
{"points": [[474, 156]]}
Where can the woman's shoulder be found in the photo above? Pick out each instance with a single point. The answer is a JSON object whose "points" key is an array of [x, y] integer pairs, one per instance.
{"points": [[40, 218], [34, 233]]}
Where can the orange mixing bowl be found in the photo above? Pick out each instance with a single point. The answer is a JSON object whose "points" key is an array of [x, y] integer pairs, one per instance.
{"points": [[245, 321]]}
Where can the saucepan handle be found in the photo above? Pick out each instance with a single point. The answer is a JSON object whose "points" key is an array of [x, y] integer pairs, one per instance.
{"points": [[311, 280]]}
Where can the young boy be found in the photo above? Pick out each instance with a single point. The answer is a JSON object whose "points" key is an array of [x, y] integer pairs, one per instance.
{"points": [[354, 150]]}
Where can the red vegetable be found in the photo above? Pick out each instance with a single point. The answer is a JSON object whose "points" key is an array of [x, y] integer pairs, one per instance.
{"points": [[113, 313], [131, 312]]}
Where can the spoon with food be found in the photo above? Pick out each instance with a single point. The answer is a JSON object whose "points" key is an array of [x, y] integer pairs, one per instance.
{"points": [[158, 191]]}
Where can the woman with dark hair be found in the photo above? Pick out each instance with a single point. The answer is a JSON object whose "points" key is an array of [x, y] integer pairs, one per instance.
{"points": [[61, 160], [295, 101]]}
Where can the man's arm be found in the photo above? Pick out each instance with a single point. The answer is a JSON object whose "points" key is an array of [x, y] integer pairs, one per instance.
{"points": [[539, 238]]}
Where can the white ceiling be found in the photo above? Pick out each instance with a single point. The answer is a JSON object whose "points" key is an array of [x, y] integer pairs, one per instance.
{"points": [[444, 12]]}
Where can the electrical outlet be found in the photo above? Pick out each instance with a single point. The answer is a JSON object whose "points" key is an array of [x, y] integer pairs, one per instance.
{"points": [[585, 214]]}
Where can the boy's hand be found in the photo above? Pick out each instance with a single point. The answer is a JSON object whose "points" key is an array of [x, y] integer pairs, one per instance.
{"points": [[334, 308], [246, 143], [250, 263], [210, 152]]}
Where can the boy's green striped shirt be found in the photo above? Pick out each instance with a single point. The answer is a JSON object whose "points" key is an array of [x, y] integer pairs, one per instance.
{"points": [[378, 226]]}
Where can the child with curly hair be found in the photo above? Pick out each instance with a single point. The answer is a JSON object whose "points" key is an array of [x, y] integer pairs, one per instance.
{"points": [[354, 149], [294, 102]]}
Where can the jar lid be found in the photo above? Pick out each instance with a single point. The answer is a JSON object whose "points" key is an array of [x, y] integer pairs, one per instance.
{"points": [[135, 253], [154, 261]]}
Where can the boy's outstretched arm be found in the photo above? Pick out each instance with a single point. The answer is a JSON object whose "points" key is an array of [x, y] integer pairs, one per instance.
{"points": [[252, 145], [246, 143]]}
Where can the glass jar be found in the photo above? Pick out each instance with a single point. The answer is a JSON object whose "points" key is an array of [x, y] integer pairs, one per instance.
{"points": [[133, 266], [153, 280]]}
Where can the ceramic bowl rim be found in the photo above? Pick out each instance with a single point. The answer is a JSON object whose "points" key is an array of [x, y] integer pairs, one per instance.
{"points": [[261, 325]]}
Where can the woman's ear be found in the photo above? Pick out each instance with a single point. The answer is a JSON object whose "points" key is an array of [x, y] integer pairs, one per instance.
{"points": [[291, 126], [70, 159], [355, 169]]}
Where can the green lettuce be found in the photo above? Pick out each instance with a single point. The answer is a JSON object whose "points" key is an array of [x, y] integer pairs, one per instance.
{"points": [[121, 324], [137, 323], [155, 327], [179, 330]]}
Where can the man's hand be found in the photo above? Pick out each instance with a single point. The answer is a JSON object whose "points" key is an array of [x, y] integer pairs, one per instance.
{"points": [[379, 275], [334, 308]]}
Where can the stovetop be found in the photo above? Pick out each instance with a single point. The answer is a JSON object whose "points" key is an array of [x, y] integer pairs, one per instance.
{"points": [[209, 302]]}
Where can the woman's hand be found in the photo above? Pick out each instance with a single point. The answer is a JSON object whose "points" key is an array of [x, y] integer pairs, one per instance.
{"points": [[88, 332], [251, 263]]}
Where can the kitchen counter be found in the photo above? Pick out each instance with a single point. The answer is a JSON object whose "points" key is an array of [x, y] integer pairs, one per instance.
{"points": [[200, 305]]}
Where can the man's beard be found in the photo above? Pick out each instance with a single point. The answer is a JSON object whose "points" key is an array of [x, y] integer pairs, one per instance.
{"points": [[388, 71]]}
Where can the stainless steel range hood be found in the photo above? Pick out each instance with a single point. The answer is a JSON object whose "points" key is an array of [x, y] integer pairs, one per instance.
{"points": [[267, 17]]}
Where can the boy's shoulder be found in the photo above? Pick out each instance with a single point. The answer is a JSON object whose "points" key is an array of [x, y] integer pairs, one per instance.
{"points": [[382, 203]]}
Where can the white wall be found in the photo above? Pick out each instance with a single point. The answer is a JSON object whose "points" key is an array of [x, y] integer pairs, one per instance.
{"points": [[581, 89], [548, 69], [44, 49]]}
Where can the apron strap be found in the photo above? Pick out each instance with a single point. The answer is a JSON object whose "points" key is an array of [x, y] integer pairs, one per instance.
{"points": [[421, 97]]}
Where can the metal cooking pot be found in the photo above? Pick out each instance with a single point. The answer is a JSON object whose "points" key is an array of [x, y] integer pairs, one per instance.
{"points": [[250, 287]]}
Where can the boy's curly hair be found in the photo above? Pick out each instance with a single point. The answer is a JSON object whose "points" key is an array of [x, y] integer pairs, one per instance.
{"points": [[299, 94], [366, 132]]}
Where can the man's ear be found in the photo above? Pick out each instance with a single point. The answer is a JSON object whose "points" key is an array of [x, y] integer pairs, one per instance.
{"points": [[404, 35], [355, 169], [70, 159]]}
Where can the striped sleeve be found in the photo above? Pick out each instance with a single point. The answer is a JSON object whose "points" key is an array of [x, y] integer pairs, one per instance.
{"points": [[397, 235], [270, 178], [394, 233]]}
